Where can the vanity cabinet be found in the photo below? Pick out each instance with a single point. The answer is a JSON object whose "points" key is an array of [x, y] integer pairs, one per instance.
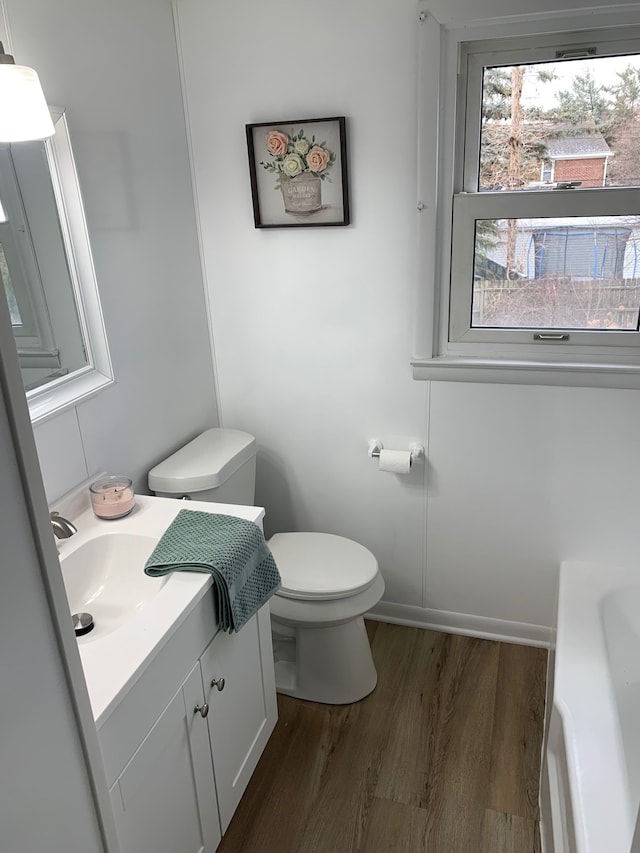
{"points": [[180, 787], [240, 718], [165, 797]]}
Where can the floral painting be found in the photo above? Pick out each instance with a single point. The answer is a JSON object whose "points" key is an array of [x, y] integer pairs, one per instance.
{"points": [[298, 172]]}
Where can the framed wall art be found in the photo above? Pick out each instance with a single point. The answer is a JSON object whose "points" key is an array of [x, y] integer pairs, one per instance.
{"points": [[298, 172]]}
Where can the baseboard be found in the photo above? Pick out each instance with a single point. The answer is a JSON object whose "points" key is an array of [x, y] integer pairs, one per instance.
{"points": [[463, 623]]}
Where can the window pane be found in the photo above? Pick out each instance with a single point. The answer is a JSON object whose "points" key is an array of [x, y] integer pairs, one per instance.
{"points": [[557, 273], [555, 123], [14, 311]]}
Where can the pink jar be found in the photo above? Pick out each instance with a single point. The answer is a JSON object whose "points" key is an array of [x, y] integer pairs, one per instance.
{"points": [[112, 497]]}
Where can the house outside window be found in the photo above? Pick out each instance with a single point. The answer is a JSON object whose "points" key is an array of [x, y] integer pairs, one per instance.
{"points": [[579, 155]]}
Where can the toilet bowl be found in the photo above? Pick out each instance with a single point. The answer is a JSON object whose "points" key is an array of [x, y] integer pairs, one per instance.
{"points": [[320, 643], [321, 648]]}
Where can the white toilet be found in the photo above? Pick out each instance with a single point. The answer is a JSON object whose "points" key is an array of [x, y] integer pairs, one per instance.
{"points": [[320, 643]]}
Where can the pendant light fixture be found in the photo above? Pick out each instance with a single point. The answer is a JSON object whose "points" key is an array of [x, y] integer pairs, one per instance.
{"points": [[24, 113]]}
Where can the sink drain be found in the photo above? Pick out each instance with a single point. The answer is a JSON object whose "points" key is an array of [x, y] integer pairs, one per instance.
{"points": [[82, 623]]}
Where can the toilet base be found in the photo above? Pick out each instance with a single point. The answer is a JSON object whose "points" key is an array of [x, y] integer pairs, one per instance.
{"points": [[332, 665]]}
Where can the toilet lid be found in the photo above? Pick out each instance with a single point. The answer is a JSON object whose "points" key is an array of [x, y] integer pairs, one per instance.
{"points": [[321, 565]]}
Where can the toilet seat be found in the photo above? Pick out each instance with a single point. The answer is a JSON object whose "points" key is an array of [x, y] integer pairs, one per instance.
{"points": [[322, 566]]}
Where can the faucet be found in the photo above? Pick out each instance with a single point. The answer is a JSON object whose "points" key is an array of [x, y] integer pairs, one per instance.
{"points": [[62, 528]]}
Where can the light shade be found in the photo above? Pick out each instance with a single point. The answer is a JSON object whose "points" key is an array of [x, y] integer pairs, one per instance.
{"points": [[24, 113]]}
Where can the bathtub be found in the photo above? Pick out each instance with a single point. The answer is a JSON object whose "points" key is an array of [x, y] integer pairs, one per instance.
{"points": [[591, 779]]}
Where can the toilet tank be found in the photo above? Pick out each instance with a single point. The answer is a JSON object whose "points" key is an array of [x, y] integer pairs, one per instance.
{"points": [[219, 465]]}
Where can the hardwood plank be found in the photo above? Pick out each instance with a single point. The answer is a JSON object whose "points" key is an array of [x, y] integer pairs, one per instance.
{"points": [[505, 833], [395, 828], [462, 714], [441, 737], [406, 770], [340, 813], [517, 731]]}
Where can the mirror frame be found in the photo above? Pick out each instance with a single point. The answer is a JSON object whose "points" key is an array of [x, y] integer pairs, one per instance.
{"points": [[67, 391]]}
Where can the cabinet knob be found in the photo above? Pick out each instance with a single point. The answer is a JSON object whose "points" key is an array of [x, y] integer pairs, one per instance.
{"points": [[203, 710], [218, 682]]}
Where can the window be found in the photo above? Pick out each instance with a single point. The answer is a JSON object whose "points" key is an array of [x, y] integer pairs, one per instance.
{"points": [[21, 275], [543, 264]]}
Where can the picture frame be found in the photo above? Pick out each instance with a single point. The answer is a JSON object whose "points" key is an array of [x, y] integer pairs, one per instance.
{"points": [[298, 171]]}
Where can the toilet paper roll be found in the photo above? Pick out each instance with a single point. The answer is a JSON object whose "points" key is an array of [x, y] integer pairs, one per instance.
{"points": [[396, 461]]}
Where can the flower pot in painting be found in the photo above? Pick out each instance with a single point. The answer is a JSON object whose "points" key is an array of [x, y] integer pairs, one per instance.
{"points": [[302, 194]]}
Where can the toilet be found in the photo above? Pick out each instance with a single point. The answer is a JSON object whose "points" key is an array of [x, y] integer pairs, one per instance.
{"points": [[320, 644]]}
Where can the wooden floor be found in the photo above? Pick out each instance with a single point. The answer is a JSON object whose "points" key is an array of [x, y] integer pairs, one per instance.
{"points": [[443, 756]]}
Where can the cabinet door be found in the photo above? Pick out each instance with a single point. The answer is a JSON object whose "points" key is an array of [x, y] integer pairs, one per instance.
{"points": [[243, 714], [164, 801]]}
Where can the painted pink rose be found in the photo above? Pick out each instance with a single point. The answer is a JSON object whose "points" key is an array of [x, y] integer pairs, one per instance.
{"points": [[276, 143], [318, 159]]}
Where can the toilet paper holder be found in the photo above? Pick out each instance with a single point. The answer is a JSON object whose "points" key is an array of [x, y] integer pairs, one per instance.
{"points": [[416, 450]]}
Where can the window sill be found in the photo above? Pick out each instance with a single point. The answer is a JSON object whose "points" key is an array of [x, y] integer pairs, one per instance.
{"points": [[578, 374]]}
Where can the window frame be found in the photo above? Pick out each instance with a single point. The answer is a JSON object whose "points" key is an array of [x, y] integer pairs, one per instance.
{"points": [[468, 208], [474, 354]]}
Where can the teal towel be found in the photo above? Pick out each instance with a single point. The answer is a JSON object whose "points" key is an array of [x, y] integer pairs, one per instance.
{"points": [[232, 549]]}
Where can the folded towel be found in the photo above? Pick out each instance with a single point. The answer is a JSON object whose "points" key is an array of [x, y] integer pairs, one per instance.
{"points": [[232, 549]]}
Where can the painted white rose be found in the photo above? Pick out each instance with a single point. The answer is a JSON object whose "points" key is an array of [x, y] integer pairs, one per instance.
{"points": [[301, 146], [292, 165]]}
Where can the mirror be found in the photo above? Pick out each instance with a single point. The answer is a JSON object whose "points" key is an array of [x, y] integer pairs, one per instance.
{"points": [[48, 275]]}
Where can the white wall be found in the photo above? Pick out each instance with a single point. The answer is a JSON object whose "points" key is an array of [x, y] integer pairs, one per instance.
{"points": [[113, 66], [313, 326], [313, 331]]}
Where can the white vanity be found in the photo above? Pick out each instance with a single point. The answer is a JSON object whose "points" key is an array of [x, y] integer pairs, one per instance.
{"points": [[183, 710]]}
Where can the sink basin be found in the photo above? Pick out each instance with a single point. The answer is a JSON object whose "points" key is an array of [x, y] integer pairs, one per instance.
{"points": [[134, 615], [104, 576]]}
